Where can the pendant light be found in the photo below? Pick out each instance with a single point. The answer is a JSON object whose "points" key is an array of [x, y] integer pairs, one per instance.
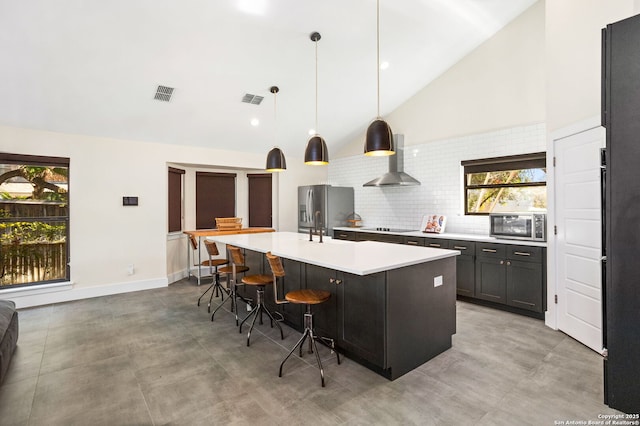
{"points": [[275, 159], [379, 140], [316, 153]]}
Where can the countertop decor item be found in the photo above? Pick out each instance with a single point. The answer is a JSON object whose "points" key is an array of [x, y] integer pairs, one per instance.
{"points": [[316, 153], [354, 220], [275, 159], [433, 223], [379, 141]]}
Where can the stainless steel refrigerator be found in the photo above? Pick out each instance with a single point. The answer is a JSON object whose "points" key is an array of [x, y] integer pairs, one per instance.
{"points": [[621, 199], [323, 205]]}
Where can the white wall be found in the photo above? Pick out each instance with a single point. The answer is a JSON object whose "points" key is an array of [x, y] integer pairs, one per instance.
{"points": [[573, 56], [497, 86], [437, 166], [105, 237]]}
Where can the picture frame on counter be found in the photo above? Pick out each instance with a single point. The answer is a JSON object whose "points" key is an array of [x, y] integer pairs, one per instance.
{"points": [[433, 223]]}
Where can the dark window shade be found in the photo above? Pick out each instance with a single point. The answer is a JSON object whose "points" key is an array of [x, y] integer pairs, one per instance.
{"points": [[33, 160], [260, 200], [175, 199], [513, 162], [215, 197]]}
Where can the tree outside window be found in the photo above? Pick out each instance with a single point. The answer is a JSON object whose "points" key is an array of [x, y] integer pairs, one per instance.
{"points": [[34, 217], [515, 183]]}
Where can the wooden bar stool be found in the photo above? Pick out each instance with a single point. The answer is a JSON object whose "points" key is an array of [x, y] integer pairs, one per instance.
{"points": [[307, 297], [260, 281], [212, 263], [231, 272]]}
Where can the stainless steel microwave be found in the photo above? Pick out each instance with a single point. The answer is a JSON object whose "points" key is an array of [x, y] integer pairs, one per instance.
{"points": [[519, 226]]}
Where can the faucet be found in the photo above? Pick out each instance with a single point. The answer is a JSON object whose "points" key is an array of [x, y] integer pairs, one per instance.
{"points": [[315, 227]]}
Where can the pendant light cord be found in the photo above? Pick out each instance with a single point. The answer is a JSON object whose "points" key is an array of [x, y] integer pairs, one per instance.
{"points": [[316, 41], [378, 50]]}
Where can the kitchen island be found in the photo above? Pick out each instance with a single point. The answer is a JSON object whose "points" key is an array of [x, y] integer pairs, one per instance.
{"points": [[392, 307]]}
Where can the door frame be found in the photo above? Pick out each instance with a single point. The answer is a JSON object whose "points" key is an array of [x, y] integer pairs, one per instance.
{"points": [[551, 315]]}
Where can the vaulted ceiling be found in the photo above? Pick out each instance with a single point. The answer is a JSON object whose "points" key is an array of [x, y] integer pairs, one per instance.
{"points": [[93, 67]]}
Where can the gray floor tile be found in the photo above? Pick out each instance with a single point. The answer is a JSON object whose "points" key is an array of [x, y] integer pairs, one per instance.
{"points": [[154, 358]]}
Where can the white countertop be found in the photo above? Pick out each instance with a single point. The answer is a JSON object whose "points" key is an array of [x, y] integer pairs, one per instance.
{"points": [[360, 258], [449, 236]]}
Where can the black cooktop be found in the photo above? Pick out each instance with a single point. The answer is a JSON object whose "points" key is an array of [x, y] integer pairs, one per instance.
{"points": [[382, 228]]}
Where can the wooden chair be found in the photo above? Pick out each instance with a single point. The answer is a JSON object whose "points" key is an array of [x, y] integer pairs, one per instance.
{"points": [[212, 250], [306, 297], [231, 272]]}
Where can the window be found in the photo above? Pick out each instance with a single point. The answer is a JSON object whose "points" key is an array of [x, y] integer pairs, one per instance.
{"points": [[175, 199], [34, 220], [215, 197], [514, 183]]}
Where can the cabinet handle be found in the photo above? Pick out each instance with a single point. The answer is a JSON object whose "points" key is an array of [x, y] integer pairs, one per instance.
{"points": [[490, 250], [338, 282], [508, 263], [343, 235], [335, 281], [413, 243], [502, 262], [522, 253], [459, 247], [435, 245]]}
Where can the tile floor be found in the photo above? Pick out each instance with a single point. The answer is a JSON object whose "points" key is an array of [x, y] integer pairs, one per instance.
{"points": [[154, 358]]}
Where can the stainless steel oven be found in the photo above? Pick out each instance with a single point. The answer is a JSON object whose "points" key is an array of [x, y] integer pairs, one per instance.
{"points": [[519, 226]]}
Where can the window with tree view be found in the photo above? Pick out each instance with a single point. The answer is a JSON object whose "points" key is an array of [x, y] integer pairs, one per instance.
{"points": [[34, 219], [515, 183]]}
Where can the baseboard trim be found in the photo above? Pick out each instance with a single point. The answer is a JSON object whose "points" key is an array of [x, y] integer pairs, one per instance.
{"points": [[72, 292]]}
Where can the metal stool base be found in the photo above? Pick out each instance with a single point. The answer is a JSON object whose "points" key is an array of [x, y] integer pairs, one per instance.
{"points": [[257, 311], [313, 348]]}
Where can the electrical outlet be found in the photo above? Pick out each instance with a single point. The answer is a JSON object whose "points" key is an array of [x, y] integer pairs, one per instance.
{"points": [[130, 269], [437, 281]]}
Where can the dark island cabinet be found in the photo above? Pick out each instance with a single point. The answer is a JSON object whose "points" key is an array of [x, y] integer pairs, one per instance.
{"points": [[293, 280], [354, 315]]}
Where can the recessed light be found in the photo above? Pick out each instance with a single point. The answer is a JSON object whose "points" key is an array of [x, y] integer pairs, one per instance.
{"points": [[384, 65], [255, 122]]}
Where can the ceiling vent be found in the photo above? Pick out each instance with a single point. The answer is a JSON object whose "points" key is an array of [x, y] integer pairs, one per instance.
{"points": [[252, 99], [163, 93]]}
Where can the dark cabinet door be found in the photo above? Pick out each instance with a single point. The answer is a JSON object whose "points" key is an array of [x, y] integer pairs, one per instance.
{"points": [[465, 275], [524, 285], [253, 260], [325, 314], [491, 279], [361, 317], [465, 267]]}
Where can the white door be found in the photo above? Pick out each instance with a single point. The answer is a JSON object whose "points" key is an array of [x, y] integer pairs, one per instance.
{"points": [[578, 242]]}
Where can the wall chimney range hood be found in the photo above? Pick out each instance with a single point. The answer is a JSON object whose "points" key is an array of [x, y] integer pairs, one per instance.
{"points": [[396, 175]]}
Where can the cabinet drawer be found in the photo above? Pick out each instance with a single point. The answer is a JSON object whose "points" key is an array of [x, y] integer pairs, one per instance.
{"points": [[525, 253], [491, 250], [344, 235], [436, 243], [467, 248], [414, 241]]}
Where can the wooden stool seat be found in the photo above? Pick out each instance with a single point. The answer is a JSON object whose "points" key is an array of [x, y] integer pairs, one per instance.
{"points": [[214, 262], [229, 269], [258, 279], [308, 296]]}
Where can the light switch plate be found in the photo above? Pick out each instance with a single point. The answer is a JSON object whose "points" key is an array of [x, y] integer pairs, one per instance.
{"points": [[437, 281]]}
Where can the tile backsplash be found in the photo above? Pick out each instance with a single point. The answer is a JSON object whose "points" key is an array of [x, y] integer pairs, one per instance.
{"points": [[437, 166]]}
